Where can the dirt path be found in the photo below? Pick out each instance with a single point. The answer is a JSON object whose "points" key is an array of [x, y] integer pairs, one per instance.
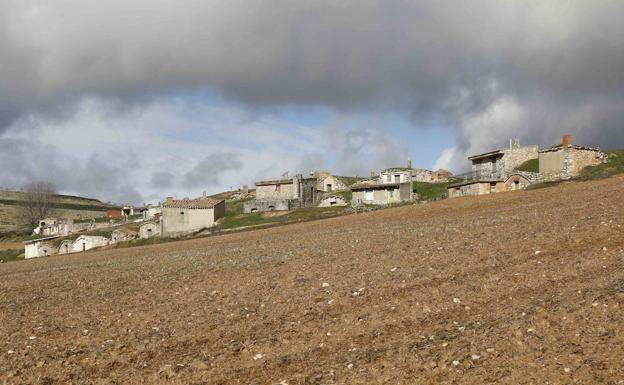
{"points": [[515, 288]]}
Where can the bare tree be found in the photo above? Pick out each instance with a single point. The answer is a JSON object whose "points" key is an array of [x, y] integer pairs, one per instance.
{"points": [[38, 202]]}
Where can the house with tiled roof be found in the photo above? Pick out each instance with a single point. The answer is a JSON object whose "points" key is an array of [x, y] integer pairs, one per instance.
{"points": [[185, 216]]}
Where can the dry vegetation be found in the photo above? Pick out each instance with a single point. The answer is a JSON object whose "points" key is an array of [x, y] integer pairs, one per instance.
{"points": [[518, 288]]}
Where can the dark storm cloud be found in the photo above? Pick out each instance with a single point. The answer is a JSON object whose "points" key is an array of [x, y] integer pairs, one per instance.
{"points": [[208, 171], [454, 61]]}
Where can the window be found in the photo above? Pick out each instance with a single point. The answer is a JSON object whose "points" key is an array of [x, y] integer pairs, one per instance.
{"points": [[492, 187], [278, 188], [397, 178], [388, 178], [328, 188]]}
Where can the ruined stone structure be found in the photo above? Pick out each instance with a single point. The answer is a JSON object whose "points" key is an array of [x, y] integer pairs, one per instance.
{"points": [[393, 185], [428, 176], [333, 200], [185, 216], [121, 235], [283, 194], [567, 160], [149, 229]]}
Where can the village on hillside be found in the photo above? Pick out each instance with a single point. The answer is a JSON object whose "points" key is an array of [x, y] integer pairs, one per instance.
{"points": [[315, 196]]}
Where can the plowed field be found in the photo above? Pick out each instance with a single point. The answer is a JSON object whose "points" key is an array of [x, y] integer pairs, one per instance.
{"points": [[516, 288]]}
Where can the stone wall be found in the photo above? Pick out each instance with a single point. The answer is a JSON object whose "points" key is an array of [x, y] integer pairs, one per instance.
{"points": [[421, 175], [514, 157], [502, 164], [567, 162], [476, 188], [277, 191], [259, 205]]}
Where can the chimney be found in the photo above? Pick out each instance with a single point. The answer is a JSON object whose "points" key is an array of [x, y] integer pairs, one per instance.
{"points": [[567, 140], [409, 162]]}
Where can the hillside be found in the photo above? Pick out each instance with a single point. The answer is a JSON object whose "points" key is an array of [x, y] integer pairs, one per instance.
{"points": [[64, 205], [515, 288]]}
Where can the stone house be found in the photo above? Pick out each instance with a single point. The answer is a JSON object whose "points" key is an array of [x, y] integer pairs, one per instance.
{"points": [[495, 171], [283, 194], [88, 242], [500, 163], [41, 247], [185, 216], [149, 229], [393, 185], [567, 160]]}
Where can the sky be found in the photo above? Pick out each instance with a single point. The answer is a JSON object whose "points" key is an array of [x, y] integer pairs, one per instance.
{"points": [[132, 101]]}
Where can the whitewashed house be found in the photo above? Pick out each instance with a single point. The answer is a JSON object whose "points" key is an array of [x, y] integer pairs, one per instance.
{"points": [[41, 247], [88, 242]]}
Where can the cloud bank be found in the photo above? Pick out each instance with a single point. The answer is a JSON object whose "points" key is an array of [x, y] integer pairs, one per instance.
{"points": [[489, 69]]}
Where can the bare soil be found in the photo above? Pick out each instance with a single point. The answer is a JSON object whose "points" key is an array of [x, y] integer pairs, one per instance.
{"points": [[11, 245], [513, 288]]}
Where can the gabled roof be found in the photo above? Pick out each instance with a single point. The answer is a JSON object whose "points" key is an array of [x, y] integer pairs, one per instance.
{"points": [[486, 155], [197, 203]]}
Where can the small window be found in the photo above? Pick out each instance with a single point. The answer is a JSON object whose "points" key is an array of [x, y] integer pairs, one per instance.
{"points": [[278, 188], [182, 212], [271, 208], [149, 230]]}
